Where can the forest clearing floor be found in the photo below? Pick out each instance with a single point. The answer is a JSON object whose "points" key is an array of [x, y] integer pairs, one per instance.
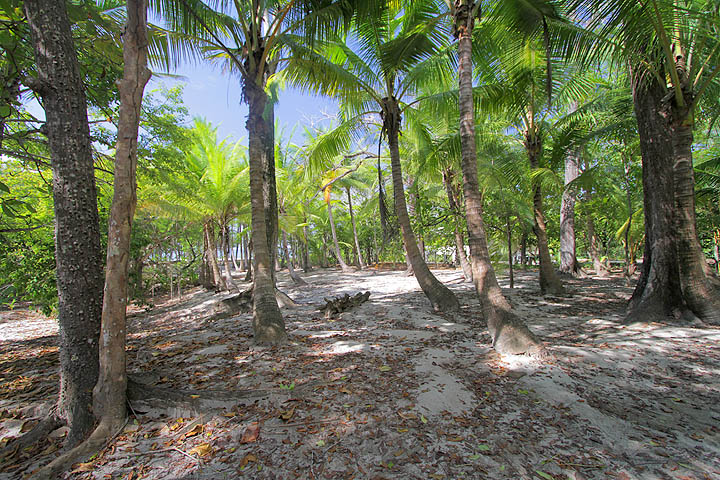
{"points": [[391, 389]]}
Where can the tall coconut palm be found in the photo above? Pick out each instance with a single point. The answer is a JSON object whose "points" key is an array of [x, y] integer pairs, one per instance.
{"points": [[373, 75], [250, 38], [673, 48]]}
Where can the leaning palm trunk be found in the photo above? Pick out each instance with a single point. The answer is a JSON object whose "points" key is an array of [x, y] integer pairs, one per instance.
{"points": [[509, 333], [336, 245], [441, 298], [361, 264], [268, 323], [549, 281]]}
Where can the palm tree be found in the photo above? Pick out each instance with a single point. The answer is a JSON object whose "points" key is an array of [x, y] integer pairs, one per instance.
{"points": [[210, 190], [673, 48], [252, 43], [392, 53]]}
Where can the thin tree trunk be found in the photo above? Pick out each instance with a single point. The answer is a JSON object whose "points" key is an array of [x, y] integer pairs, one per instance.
{"points": [[77, 231], [225, 239], [568, 259], [508, 231], [441, 298], [295, 277], [323, 257], [523, 248], [549, 281], [233, 251], [453, 202], [206, 270], [306, 249], [594, 249], [268, 323], [628, 201], [336, 245], [361, 263], [509, 333], [218, 281], [110, 391]]}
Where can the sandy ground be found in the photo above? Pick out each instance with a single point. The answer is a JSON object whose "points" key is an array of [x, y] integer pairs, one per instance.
{"points": [[391, 389]]}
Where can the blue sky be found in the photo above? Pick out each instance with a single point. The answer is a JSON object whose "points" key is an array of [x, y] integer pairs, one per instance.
{"points": [[211, 94]]}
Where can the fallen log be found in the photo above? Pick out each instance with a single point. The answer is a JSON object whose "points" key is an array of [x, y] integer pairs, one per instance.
{"points": [[340, 304]]}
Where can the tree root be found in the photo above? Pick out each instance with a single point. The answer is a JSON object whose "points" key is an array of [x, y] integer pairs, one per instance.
{"points": [[512, 337], [106, 431], [195, 400], [37, 433]]}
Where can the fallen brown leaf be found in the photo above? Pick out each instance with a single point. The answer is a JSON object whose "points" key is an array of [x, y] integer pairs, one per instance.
{"points": [[251, 433], [247, 459], [201, 450]]}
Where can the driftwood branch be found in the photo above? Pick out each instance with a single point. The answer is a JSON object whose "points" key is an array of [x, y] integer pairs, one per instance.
{"points": [[343, 303]]}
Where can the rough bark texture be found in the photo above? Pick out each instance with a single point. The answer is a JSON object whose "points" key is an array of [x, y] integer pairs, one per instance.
{"points": [[109, 393], [658, 294], [441, 298], [346, 302], [361, 263], [268, 323], [549, 281], [77, 231], [509, 333], [336, 245], [270, 185], [698, 292]]}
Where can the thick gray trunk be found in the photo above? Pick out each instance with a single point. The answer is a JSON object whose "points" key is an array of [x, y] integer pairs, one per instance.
{"points": [[77, 232]]}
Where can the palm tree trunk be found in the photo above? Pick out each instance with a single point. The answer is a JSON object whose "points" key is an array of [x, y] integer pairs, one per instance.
{"points": [[453, 202], [110, 391], [658, 293], [306, 249], [77, 232], [336, 245], [568, 260], [699, 294], [218, 281], [268, 323], [233, 251], [225, 239], [441, 298], [594, 250], [508, 231], [549, 281], [361, 264], [509, 333], [295, 277]]}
